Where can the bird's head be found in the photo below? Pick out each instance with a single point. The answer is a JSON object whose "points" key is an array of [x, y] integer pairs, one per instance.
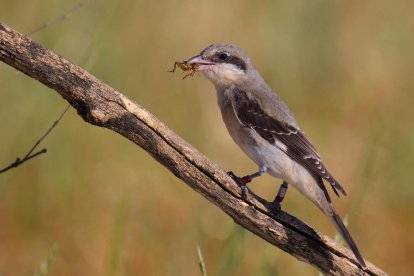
{"points": [[224, 64]]}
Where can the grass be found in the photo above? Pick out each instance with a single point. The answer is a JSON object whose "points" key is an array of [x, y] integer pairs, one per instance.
{"points": [[45, 265], [201, 262]]}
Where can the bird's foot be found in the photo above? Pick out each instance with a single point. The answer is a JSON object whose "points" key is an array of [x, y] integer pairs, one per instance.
{"points": [[275, 205], [242, 182]]}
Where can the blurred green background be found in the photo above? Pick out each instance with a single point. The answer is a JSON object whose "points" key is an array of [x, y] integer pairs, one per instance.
{"points": [[343, 67]]}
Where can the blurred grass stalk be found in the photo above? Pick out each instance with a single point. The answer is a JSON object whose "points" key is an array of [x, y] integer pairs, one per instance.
{"points": [[44, 266], [121, 215], [201, 262]]}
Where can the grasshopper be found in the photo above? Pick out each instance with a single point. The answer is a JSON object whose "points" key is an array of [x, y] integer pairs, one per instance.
{"points": [[186, 67]]}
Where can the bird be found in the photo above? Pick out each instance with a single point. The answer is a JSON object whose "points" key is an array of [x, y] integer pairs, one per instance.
{"points": [[262, 125]]}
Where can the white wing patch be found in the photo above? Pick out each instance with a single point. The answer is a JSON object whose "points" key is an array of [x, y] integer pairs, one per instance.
{"points": [[281, 146]]}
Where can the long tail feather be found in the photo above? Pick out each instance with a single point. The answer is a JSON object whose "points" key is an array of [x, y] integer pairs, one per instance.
{"points": [[345, 234]]}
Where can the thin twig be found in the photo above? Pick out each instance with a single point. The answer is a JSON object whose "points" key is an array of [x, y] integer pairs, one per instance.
{"points": [[29, 155], [47, 132], [58, 19]]}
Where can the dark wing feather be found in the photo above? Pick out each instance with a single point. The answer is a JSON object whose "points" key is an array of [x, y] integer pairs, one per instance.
{"points": [[250, 113]]}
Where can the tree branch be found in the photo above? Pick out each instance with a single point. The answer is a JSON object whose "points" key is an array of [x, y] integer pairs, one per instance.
{"points": [[100, 105]]}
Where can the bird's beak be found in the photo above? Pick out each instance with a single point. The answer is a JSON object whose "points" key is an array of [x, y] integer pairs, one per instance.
{"points": [[202, 64]]}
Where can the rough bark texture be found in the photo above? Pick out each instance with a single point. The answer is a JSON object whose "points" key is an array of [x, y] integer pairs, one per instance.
{"points": [[100, 105]]}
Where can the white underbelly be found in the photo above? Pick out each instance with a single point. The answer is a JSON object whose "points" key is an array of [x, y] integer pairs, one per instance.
{"points": [[277, 163]]}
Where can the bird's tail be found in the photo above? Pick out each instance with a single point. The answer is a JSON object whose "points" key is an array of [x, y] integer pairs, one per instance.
{"points": [[345, 234], [324, 203]]}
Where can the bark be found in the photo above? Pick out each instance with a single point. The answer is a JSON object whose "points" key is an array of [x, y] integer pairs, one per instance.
{"points": [[99, 104]]}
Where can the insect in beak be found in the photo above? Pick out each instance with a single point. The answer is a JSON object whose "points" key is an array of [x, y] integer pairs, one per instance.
{"points": [[193, 65], [186, 67]]}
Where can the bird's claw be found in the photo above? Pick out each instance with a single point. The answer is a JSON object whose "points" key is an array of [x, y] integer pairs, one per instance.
{"points": [[244, 192], [242, 183], [275, 206], [235, 178]]}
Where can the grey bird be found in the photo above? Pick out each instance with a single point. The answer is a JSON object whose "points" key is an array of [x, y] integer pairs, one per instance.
{"points": [[264, 128]]}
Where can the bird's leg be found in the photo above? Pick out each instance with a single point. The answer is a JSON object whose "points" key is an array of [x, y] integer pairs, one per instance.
{"points": [[280, 195], [242, 181]]}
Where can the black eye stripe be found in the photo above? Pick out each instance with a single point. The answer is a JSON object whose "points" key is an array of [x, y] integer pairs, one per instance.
{"points": [[231, 60], [238, 62]]}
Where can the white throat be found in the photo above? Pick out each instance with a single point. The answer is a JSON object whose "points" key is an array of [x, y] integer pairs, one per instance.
{"points": [[224, 74]]}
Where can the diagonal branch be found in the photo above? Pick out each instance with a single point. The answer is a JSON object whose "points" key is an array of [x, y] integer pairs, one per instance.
{"points": [[100, 105]]}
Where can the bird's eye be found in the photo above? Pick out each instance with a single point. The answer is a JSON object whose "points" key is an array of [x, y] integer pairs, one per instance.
{"points": [[223, 56]]}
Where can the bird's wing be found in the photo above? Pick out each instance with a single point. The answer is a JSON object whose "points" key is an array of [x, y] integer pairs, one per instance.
{"points": [[294, 143]]}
